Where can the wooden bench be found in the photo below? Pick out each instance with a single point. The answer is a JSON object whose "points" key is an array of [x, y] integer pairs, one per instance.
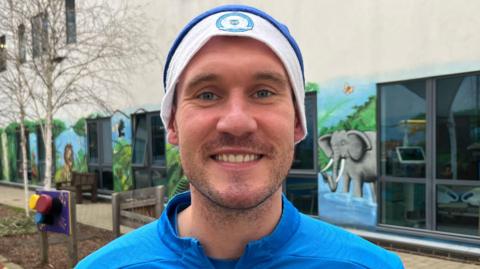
{"points": [[80, 183], [137, 207]]}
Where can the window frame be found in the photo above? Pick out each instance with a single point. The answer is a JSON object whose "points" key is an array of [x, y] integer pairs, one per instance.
{"points": [[70, 22], [431, 180], [39, 25], [3, 53], [22, 43]]}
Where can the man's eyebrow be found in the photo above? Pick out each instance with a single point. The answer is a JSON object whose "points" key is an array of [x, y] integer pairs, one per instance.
{"points": [[204, 77], [272, 76]]}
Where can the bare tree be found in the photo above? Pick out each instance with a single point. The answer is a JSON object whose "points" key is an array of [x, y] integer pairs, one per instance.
{"points": [[79, 53], [13, 92]]}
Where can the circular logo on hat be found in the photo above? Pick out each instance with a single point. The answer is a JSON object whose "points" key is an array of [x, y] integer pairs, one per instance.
{"points": [[234, 22]]}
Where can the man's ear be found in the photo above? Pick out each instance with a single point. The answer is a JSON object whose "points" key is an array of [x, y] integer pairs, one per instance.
{"points": [[172, 135], [298, 131]]}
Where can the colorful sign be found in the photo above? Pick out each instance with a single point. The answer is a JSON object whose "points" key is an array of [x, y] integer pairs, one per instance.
{"points": [[53, 211]]}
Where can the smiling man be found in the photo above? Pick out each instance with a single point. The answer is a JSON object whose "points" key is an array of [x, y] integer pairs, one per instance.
{"points": [[234, 105]]}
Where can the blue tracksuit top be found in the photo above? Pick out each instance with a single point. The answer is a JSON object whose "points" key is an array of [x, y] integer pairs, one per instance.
{"points": [[298, 241]]}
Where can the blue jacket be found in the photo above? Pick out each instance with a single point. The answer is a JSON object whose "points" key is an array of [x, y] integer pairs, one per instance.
{"points": [[298, 241]]}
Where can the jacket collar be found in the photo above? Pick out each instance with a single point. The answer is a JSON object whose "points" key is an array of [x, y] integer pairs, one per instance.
{"points": [[191, 250]]}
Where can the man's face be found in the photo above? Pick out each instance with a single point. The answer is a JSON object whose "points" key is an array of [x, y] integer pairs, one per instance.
{"points": [[235, 122]]}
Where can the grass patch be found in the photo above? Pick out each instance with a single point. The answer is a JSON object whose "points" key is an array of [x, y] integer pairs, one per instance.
{"points": [[14, 222], [17, 225]]}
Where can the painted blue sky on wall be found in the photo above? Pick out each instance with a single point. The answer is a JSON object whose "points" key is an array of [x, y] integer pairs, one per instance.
{"points": [[337, 99]]}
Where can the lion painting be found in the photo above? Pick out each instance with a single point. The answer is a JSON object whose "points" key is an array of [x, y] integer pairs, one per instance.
{"points": [[68, 158]]}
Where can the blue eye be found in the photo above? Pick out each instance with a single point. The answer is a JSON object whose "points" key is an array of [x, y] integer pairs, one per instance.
{"points": [[207, 96], [263, 93]]}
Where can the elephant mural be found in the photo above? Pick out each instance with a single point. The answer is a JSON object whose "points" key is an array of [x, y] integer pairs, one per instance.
{"points": [[353, 156]]}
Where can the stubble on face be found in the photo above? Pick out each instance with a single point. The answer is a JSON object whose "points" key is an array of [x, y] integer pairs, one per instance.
{"points": [[199, 177]]}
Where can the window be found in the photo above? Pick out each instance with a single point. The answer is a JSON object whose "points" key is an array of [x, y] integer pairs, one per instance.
{"points": [[305, 153], [100, 151], [22, 43], [149, 156], [71, 26], [39, 34], [92, 142], [302, 182], [158, 140], [140, 140], [3, 53], [430, 153]]}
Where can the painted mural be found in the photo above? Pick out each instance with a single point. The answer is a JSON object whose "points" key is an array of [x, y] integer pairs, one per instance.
{"points": [[177, 180], [4, 149], [70, 156], [347, 153], [33, 157], [122, 152]]}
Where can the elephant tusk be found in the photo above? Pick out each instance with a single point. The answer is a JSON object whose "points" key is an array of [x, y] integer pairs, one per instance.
{"points": [[342, 166], [328, 165]]}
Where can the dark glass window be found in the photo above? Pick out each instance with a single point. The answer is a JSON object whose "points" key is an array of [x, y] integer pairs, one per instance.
{"points": [[22, 44], [458, 128], [140, 140], [39, 34], [92, 142], [458, 209], [41, 146], [106, 141], [71, 21], [3, 53], [403, 204], [158, 140], [403, 132], [305, 154]]}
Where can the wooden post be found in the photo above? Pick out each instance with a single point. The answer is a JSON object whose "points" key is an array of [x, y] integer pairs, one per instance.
{"points": [[43, 248], [72, 240], [116, 214]]}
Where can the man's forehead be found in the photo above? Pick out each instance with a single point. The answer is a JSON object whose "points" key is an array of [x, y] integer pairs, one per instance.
{"points": [[225, 46]]}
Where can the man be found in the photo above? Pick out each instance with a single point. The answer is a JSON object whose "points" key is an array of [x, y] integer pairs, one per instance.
{"points": [[234, 105]]}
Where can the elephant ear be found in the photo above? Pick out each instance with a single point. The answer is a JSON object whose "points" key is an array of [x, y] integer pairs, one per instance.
{"points": [[325, 145], [359, 143]]}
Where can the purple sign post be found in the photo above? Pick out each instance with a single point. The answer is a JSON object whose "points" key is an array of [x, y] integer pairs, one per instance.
{"points": [[64, 222]]}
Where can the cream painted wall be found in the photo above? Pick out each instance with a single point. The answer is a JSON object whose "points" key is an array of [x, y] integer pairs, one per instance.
{"points": [[365, 40]]}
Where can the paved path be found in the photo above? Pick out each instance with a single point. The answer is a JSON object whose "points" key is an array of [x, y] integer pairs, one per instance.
{"points": [[100, 215]]}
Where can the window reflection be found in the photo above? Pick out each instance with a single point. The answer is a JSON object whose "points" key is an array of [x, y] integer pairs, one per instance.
{"points": [[158, 140], [404, 204], [458, 209], [458, 128], [403, 129], [92, 143], [140, 142]]}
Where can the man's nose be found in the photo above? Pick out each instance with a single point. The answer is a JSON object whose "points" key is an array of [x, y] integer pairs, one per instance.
{"points": [[238, 118]]}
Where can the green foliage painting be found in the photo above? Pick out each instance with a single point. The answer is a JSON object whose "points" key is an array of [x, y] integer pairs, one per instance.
{"points": [[79, 127], [4, 156], [177, 181], [312, 87], [12, 150], [122, 163]]}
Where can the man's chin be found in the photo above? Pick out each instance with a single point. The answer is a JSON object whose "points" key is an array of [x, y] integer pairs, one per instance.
{"points": [[240, 201]]}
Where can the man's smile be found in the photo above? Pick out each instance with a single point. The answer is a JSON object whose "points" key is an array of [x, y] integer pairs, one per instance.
{"points": [[236, 158]]}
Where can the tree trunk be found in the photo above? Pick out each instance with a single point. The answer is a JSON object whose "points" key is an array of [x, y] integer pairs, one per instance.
{"points": [[23, 144], [49, 126]]}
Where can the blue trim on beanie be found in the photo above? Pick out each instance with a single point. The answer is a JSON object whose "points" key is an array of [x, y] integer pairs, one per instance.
{"points": [[242, 8]]}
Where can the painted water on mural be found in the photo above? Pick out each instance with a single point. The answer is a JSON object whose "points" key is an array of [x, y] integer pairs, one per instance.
{"points": [[344, 208]]}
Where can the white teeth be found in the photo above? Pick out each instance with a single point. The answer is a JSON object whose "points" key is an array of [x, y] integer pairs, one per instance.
{"points": [[237, 158]]}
